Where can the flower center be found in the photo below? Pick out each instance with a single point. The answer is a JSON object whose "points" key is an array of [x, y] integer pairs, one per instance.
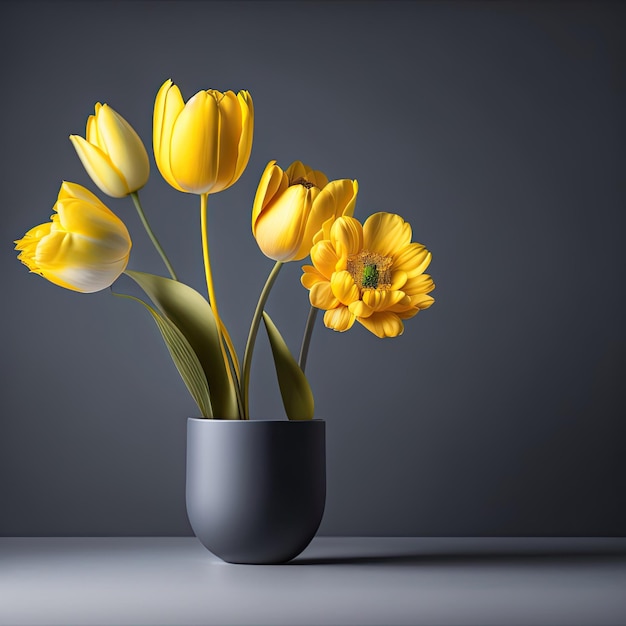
{"points": [[370, 270], [304, 182]]}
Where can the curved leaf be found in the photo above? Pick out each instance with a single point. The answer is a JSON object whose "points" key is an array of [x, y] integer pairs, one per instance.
{"points": [[192, 315], [294, 386], [184, 358]]}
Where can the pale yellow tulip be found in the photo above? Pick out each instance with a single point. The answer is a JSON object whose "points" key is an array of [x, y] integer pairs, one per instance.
{"points": [[85, 247], [112, 153]]}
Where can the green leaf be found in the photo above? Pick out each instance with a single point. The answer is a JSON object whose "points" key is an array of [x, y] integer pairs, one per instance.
{"points": [[184, 358], [192, 315], [294, 387]]}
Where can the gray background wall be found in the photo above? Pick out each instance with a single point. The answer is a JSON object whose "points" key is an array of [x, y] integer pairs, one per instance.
{"points": [[496, 129]]}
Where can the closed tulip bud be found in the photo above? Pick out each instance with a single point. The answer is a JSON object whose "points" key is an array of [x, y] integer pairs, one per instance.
{"points": [[112, 153], [202, 146], [291, 207], [85, 247]]}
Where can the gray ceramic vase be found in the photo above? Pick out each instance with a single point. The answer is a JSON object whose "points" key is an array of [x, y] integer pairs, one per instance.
{"points": [[255, 489]]}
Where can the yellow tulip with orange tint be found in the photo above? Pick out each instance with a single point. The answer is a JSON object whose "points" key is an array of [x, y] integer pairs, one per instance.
{"points": [[291, 206]]}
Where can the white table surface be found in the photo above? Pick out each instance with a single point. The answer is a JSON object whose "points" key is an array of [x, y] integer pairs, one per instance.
{"points": [[337, 580]]}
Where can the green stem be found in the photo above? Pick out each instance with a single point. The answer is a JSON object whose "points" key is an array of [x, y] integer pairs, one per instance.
{"points": [[224, 338], [254, 327], [306, 338], [135, 196]]}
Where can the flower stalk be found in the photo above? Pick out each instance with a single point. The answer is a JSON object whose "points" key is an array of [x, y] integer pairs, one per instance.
{"points": [[306, 337], [142, 216], [254, 328], [225, 339]]}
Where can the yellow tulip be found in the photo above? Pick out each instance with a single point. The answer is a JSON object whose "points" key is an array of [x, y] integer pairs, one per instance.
{"points": [[291, 207], [202, 146], [84, 248], [112, 153]]}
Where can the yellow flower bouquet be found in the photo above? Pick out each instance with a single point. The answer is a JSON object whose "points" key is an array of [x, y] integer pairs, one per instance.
{"points": [[371, 273]]}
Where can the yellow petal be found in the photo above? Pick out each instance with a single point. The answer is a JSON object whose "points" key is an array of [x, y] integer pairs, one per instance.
{"points": [[311, 276], [194, 144], [91, 131], [122, 144], [229, 134], [383, 324], [279, 228], [343, 287], [273, 182], [422, 301], [412, 259], [321, 296], [398, 280], [346, 235], [422, 283], [324, 258], [295, 171], [247, 131], [100, 169], [335, 199], [167, 106], [386, 233], [360, 309], [74, 191], [381, 300], [324, 233], [339, 319]]}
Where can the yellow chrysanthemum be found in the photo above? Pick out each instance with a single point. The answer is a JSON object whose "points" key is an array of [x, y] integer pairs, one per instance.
{"points": [[371, 273]]}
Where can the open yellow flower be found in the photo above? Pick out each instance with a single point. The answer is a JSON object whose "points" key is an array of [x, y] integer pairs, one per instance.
{"points": [[373, 274], [202, 146], [291, 206], [84, 248], [112, 153]]}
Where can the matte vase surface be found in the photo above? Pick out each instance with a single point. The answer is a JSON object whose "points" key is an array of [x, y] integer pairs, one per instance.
{"points": [[256, 489]]}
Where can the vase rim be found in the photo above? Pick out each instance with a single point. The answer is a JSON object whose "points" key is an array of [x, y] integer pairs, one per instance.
{"points": [[254, 421]]}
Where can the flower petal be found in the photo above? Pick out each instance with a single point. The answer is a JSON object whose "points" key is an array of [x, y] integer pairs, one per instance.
{"points": [[100, 168], [422, 283], [386, 233], [383, 324], [360, 309], [167, 106], [229, 134], [343, 287], [247, 130], [195, 143], [398, 280], [346, 234], [279, 228], [339, 319], [334, 200], [122, 144], [273, 181], [311, 276], [413, 259], [321, 296], [324, 258], [380, 300]]}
